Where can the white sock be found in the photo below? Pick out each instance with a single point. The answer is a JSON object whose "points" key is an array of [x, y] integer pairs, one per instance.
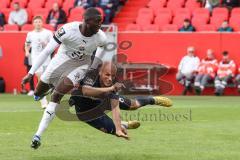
{"points": [[44, 102], [48, 116], [124, 124]]}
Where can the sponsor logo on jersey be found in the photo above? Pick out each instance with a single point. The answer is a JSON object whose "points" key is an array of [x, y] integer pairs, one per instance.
{"points": [[60, 32]]}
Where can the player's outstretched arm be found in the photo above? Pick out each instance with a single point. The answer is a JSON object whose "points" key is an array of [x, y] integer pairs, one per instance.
{"points": [[51, 46], [120, 132], [97, 61], [88, 90]]}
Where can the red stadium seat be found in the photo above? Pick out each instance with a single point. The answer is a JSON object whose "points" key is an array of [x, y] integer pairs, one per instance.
{"points": [[30, 15], [9, 27], [161, 20], [146, 12], [67, 5], [156, 4], [198, 20], [133, 27], [201, 12], [49, 27], [161, 11], [143, 20], [235, 12], [174, 4], [178, 20], [151, 27], [217, 21], [78, 11], [220, 12], [27, 27], [6, 12], [4, 3], [192, 5], [73, 18], [40, 11], [169, 27], [206, 28], [35, 4], [234, 22], [182, 12]]}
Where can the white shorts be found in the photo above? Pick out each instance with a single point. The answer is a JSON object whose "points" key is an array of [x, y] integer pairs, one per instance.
{"points": [[63, 66]]}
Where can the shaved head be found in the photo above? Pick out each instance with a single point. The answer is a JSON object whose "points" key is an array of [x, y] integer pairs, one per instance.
{"points": [[92, 13], [107, 73]]}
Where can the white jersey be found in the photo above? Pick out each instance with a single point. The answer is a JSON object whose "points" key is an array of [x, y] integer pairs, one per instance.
{"points": [[189, 64], [74, 55], [37, 42], [74, 44]]}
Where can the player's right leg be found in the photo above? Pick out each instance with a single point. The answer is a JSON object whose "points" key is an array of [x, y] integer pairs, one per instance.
{"points": [[58, 65], [138, 102]]}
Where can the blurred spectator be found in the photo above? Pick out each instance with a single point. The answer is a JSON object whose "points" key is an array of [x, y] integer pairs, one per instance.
{"points": [[209, 4], [93, 3], [225, 73], [56, 16], [19, 16], [108, 7], [206, 72], [187, 26], [225, 27], [238, 80], [2, 20], [230, 3], [187, 69], [81, 3]]}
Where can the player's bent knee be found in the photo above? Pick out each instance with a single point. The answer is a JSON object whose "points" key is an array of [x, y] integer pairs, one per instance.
{"points": [[56, 97]]}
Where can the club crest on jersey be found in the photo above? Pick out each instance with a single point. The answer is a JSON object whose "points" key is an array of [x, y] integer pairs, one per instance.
{"points": [[60, 32]]}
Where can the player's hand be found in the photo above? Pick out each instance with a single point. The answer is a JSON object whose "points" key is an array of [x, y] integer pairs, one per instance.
{"points": [[122, 133], [27, 78], [118, 86]]}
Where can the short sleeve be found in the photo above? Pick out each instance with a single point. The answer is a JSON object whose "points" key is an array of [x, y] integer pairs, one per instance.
{"points": [[50, 34], [60, 34], [28, 39], [102, 39], [90, 78]]}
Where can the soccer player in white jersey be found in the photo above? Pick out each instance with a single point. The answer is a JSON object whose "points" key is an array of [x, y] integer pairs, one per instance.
{"points": [[77, 43], [37, 41]]}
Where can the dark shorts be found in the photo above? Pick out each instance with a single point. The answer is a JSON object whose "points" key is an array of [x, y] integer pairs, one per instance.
{"points": [[93, 111]]}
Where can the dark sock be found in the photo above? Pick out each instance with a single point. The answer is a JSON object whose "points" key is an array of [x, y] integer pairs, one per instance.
{"points": [[143, 101]]}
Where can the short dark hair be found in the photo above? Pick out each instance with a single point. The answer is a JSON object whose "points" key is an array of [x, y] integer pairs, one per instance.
{"points": [[187, 20], [38, 17], [91, 13], [225, 53], [16, 3]]}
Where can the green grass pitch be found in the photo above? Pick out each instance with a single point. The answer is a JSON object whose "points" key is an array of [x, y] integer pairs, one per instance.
{"points": [[195, 128]]}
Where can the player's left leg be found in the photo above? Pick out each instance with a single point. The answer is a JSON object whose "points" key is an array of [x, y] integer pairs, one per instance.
{"points": [[105, 124]]}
